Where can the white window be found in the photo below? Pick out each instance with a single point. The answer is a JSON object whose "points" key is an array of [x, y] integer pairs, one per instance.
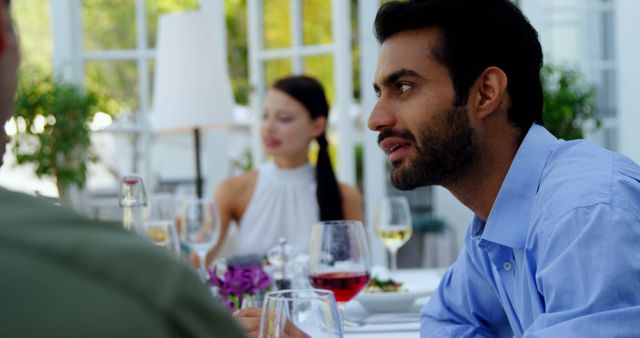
{"points": [[580, 34]]}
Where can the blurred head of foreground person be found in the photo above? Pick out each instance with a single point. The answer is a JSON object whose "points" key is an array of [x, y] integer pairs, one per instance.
{"points": [[286, 195], [557, 224], [66, 276]]}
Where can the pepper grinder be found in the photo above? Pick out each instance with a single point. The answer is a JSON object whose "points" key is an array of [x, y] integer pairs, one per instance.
{"points": [[279, 258]]}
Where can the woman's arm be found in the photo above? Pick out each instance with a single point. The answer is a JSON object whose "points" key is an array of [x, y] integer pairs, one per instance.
{"points": [[351, 202], [232, 198]]}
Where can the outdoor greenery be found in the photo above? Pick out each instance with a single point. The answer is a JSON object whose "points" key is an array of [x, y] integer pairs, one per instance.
{"points": [[569, 104], [52, 122], [110, 24], [316, 29]]}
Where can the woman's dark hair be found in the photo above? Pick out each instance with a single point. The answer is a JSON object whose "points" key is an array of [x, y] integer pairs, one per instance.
{"points": [[308, 91], [475, 35]]}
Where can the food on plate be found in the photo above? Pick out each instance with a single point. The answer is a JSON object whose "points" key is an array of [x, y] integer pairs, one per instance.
{"points": [[377, 285]]}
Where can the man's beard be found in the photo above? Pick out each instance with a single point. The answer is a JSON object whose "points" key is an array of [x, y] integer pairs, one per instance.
{"points": [[445, 151]]}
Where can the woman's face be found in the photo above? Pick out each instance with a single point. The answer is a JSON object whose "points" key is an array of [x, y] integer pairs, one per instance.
{"points": [[287, 127]]}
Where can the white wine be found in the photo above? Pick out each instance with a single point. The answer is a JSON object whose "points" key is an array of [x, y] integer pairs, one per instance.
{"points": [[394, 236], [158, 233]]}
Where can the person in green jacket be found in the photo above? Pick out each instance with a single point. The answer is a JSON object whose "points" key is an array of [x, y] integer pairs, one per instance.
{"points": [[62, 275]]}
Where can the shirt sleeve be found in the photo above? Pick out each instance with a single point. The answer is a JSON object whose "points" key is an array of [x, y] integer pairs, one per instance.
{"points": [[465, 304], [192, 311], [589, 274]]}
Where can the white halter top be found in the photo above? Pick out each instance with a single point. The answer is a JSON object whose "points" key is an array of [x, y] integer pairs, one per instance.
{"points": [[283, 204]]}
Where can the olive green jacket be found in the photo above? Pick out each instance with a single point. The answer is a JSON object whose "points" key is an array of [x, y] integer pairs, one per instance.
{"points": [[62, 275]]}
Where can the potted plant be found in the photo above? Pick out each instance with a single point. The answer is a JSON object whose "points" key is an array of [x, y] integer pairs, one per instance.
{"points": [[52, 118], [569, 104]]}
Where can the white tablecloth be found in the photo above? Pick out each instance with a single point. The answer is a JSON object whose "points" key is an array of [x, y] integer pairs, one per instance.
{"points": [[412, 278]]}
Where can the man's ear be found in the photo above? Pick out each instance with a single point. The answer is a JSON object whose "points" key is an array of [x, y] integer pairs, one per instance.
{"points": [[319, 126], [489, 92]]}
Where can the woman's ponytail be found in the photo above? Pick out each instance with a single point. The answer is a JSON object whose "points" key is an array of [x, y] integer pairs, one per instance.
{"points": [[308, 91]]}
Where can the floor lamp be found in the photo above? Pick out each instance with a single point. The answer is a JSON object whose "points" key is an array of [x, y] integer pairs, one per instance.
{"points": [[192, 91]]}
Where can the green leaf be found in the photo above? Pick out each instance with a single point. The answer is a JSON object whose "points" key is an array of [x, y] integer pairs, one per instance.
{"points": [[61, 149], [569, 104]]}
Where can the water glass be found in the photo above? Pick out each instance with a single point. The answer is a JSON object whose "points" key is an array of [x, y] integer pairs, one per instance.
{"points": [[300, 313], [200, 229]]}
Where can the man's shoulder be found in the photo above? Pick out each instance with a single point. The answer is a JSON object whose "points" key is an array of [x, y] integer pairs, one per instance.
{"points": [[579, 174], [115, 271], [60, 238]]}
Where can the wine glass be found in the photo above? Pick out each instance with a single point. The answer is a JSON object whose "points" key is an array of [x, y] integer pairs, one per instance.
{"points": [[339, 258], [159, 223], [200, 229], [300, 313], [163, 234], [393, 225]]}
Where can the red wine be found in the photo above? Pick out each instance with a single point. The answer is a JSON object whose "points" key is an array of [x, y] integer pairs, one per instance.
{"points": [[345, 285]]}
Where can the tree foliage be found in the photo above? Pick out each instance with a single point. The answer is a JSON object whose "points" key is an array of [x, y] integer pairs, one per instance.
{"points": [[53, 132], [569, 104]]}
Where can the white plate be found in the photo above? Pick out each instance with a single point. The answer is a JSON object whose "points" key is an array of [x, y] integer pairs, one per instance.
{"points": [[390, 301]]}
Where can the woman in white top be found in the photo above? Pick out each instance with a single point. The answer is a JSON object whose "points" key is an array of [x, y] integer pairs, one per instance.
{"points": [[286, 196]]}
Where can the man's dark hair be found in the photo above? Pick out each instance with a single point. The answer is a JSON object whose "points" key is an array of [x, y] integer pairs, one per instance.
{"points": [[475, 35], [309, 92]]}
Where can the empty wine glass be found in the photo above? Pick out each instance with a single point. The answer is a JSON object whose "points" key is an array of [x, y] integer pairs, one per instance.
{"points": [[339, 258], [393, 225], [200, 229], [300, 313]]}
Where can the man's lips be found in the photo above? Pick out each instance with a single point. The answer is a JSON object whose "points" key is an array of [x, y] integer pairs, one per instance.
{"points": [[394, 147]]}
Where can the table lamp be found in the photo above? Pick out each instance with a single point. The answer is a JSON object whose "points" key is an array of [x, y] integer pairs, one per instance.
{"points": [[192, 90]]}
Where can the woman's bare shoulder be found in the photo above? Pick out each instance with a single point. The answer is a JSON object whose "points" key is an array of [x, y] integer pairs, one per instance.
{"points": [[237, 185]]}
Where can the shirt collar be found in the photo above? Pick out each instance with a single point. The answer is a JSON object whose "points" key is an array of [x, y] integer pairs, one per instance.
{"points": [[508, 220]]}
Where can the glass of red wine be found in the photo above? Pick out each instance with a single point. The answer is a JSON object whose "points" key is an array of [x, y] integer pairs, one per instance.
{"points": [[339, 259]]}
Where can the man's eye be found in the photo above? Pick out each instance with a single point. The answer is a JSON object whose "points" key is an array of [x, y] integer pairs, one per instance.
{"points": [[403, 87]]}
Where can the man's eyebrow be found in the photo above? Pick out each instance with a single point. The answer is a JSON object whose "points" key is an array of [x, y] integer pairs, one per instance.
{"points": [[398, 74]]}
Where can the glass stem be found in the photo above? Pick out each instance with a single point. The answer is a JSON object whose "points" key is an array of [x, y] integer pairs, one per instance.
{"points": [[203, 267], [341, 313], [394, 261]]}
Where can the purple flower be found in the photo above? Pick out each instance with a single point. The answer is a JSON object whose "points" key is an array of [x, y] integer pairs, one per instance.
{"points": [[239, 280]]}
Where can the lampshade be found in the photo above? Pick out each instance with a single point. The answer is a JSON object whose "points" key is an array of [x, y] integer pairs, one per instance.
{"points": [[191, 87]]}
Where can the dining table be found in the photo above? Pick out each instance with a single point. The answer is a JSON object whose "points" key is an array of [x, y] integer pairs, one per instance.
{"points": [[360, 322]]}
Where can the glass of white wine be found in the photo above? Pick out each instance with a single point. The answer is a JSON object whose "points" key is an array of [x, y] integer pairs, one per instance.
{"points": [[393, 224], [159, 223], [163, 234]]}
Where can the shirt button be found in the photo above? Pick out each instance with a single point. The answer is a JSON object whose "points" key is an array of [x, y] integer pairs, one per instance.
{"points": [[507, 266]]}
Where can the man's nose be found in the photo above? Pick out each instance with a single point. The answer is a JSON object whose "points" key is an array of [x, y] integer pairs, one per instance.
{"points": [[381, 117]]}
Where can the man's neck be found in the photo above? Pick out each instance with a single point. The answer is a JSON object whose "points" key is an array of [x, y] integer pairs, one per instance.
{"points": [[479, 188]]}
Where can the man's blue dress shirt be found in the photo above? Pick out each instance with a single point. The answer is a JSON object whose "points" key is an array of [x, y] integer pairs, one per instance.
{"points": [[559, 255]]}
